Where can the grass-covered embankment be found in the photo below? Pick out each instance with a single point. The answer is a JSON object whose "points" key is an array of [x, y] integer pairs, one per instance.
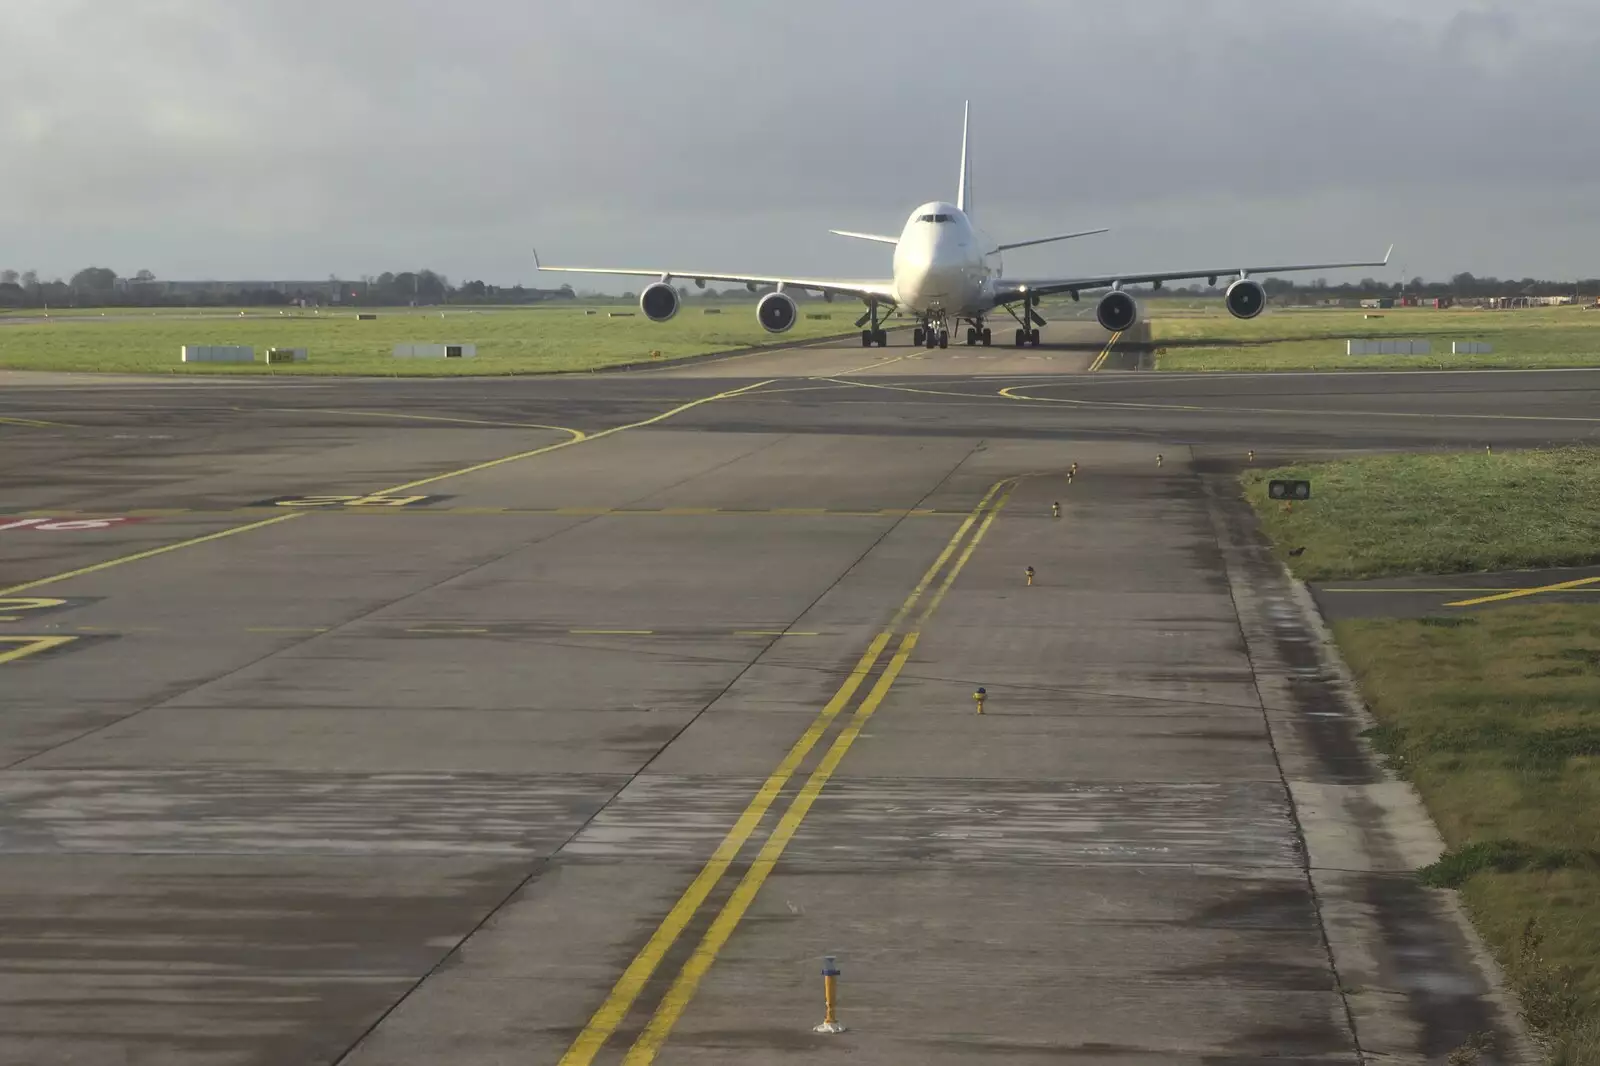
{"points": [[1438, 514], [1494, 714], [509, 341], [1313, 339]]}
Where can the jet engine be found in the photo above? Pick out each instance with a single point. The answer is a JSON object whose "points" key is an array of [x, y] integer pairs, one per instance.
{"points": [[1117, 311], [1245, 298], [777, 312], [659, 302]]}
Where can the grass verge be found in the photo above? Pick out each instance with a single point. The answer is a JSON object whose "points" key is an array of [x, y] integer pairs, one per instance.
{"points": [[510, 341], [1307, 339], [1437, 514], [1497, 723]]}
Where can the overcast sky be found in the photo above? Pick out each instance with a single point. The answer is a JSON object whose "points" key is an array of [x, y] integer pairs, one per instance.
{"points": [[298, 138]]}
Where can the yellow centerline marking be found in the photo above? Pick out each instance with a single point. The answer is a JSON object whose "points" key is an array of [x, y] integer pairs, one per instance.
{"points": [[32, 422], [1515, 593], [576, 434], [667, 1013], [774, 633], [612, 632], [1104, 352], [620, 1000], [1011, 393], [109, 563], [617, 1004], [663, 416], [30, 646], [395, 490], [1464, 588]]}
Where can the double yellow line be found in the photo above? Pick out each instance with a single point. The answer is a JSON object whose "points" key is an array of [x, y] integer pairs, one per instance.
{"points": [[1100, 360], [619, 1003]]}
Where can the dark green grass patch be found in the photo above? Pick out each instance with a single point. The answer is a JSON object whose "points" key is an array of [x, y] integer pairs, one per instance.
{"points": [[1437, 514]]}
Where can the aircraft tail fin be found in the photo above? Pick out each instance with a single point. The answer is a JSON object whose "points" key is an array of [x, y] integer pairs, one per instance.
{"points": [[964, 186]]}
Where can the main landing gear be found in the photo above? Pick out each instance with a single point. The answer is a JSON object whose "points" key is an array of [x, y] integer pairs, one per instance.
{"points": [[978, 333], [1027, 320], [875, 334]]}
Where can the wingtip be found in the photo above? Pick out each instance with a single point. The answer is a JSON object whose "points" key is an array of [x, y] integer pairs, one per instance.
{"points": [[536, 265], [1387, 254]]}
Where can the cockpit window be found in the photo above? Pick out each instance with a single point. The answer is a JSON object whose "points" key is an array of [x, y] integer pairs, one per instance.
{"points": [[935, 218], [942, 218], [924, 218]]}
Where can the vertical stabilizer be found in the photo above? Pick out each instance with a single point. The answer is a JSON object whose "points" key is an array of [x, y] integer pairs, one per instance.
{"points": [[964, 188]]}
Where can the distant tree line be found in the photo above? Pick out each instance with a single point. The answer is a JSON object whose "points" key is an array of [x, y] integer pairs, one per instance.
{"points": [[102, 287], [1463, 286]]}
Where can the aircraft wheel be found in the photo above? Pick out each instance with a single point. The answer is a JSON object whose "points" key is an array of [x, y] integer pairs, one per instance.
{"points": [[883, 338], [1033, 339], [866, 338], [916, 335], [1021, 338], [972, 336], [988, 335], [944, 338]]}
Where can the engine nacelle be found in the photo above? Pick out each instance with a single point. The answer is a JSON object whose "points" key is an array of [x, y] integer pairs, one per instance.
{"points": [[659, 302], [1117, 311], [1245, 298], [777, 312]]}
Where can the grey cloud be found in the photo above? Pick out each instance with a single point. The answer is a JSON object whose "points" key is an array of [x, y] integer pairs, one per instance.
{"points": [[289, 137]]}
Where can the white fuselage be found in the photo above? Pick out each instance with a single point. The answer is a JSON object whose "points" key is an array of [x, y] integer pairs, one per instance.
{"points": [[940, 265]]}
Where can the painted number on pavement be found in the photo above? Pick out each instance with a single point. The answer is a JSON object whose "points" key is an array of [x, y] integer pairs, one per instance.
{"points": [[64, 525]]}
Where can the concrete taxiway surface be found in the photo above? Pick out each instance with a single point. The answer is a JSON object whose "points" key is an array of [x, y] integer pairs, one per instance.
{"points": [[576, 720]]}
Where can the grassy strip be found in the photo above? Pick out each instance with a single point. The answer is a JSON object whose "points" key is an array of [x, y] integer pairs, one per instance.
{"points": [[1437, 514], [510, 341], [1314, 339], [1496, 719]]}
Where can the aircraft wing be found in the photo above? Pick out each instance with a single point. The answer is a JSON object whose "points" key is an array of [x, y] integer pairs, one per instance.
{"points": [[1009, 289], [863, 289]]}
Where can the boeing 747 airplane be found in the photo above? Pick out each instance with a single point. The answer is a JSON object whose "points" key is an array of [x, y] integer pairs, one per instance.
{"points": [[947, 273]]}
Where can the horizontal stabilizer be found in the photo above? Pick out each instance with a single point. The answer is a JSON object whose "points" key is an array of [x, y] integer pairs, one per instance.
{"points": [[880, 238], [1047, 240]]}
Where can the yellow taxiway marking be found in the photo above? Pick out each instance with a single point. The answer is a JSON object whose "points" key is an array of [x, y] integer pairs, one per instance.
{"points": [[446, 630], [1100, 360], [1465, 588], [663, 416], [612, 632], [135, 557], [1011, 393], [1560, 586], [286, 629], [614, 1010], [395, 490], [683, 988], [28, 646], [33, 422], [881, 362], [774, 633], [575, 434]]}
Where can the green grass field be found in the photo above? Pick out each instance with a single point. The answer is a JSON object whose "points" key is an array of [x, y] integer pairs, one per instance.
{"points": [[1313, 339], [1437, 514], [1496, 719], [509, 340], [1493, 715]]}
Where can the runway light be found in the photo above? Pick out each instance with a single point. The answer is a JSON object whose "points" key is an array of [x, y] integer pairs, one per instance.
{"points": [[1487, 450], [1055, 510], [1074, 468], [1250, 456], [978, 697], [830, 991], [1029, 572], [1158, 458]]}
